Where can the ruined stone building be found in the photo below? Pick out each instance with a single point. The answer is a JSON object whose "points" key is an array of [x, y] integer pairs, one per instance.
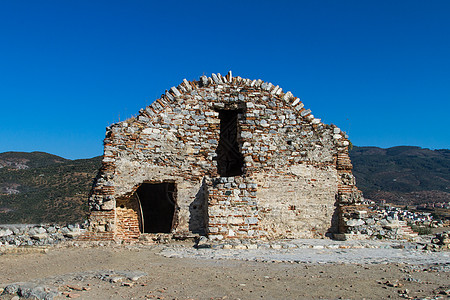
{"points": [[225, 157]]}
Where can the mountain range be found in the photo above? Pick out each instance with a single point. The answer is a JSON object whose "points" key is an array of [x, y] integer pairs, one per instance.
{"points": [[38, 187], [403, 175]]}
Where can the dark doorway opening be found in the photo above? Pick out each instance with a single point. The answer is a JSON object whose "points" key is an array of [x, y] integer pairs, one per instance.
{"points": [[229, 159], [157, 207]]}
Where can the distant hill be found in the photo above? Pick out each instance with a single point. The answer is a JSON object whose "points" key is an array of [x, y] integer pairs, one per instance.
{"points": [[26, 160], [402, 175], [39, 187]]}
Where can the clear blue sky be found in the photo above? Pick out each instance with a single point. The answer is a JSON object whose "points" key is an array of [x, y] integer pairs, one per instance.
{"points": [[380, 70]]}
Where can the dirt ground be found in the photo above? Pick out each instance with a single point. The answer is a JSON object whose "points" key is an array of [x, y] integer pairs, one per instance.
{"points": [[190, 278]]}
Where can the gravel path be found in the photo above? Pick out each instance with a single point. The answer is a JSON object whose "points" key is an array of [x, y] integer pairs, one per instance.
{"points": [[317, 251]]}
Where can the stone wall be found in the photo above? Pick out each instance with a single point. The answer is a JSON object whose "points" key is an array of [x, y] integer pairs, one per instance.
{"points": [[296, 169], [127, 218], [233, 208], [300, 203]]}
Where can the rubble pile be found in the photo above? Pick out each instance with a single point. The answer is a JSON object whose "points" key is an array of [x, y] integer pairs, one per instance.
{"points": [[38, 234], [441, 241], [362, 224]]}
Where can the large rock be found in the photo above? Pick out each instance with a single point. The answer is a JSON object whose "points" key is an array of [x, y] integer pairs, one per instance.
{"points": [[39, 236], [391, 225], [52, 229], [5, 232], [72, 234], [355, 222], [37, 230], [203, 242]]}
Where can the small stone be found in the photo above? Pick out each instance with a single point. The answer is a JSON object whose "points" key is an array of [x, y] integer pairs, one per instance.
{"points": [[230, 76], [354, 222], [115, 279], [305, 112], [127, 284], [39, 236], [215, 78], [246, 135], [51, 229], [175, 91], [73, 295], [135, 278], [288, 96], [186, 83], [204, 80], [203, 242], [251, 220]]}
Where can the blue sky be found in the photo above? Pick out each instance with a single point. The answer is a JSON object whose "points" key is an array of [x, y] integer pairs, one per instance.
{"points": [[380, 70]]}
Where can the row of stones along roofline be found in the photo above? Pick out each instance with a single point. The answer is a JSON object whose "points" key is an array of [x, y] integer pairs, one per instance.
{"points": [[186, 86]]}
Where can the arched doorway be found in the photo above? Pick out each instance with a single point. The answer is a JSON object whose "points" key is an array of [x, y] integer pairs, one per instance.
{"points": [[158, 207]]}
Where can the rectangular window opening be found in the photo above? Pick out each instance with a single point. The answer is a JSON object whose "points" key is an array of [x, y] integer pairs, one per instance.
{"points": [[230, 161]]}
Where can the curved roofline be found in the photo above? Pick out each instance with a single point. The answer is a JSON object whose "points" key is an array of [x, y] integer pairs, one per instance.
{"points": [[186, 86], [170, 96]]}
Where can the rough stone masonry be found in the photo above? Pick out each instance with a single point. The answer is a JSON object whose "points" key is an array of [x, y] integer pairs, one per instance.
{"points": [[225, 157]]}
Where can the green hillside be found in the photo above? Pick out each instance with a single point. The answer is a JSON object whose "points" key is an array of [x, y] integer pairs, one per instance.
{"points": [[18, 160], [402, 175], [48, 189]]}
